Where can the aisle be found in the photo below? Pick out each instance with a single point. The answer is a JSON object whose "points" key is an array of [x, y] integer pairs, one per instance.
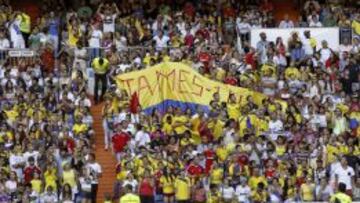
{"points": [[105, 158]]}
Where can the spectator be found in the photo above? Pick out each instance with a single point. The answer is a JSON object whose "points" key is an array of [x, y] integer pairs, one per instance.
{"points": [[286, 23]]}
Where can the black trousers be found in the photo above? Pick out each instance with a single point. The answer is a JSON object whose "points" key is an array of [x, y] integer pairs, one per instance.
{"points": [[94, 190], [26, 38], [100, 78]]}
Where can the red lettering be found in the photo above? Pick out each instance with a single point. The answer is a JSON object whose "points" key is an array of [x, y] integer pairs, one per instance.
{"points": [[128, 81], [199, 93], [166, 76], [181, 80], [143, 84]]}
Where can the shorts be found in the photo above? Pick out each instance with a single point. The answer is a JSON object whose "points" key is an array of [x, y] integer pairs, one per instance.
{"points": [[147, 199], [169, 195], [183, 201], [86, 195]]}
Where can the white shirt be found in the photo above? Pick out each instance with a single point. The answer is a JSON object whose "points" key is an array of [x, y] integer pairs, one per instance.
{"points": [[161, 42], [86, 102], [94, 169], [108, 23], [15, 33], [133, 183], [315, 24], [11, 185], [4, 43], [34, 154], [243, 193], [280, 60], [85, 185], [228, 192], [96, 36], [325, 54], [345, 175], [286, 24], [142, 138], [243, 27], [307, 47], [275, 126]]}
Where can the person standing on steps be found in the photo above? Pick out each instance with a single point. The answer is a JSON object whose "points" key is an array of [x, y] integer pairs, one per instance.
{"points": [[95, 171], [101, 67]]}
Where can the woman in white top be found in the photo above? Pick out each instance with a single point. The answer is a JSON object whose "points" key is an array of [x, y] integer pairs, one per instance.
{"points": [[95, 40], [11, 184], [85, 184], [80, 54], [227, 192], [243, 192]]}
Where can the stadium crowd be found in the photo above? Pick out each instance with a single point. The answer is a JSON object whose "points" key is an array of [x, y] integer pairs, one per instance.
{"points": [[235, 152]]}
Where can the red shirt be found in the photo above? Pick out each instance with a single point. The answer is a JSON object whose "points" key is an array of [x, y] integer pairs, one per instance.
{"points": [[48, 60], [195, 170], [119, 141], [231, 80], [189, 40], [243, 159], [70, 145], [209, 154], [204, 33], [270, 172], [29, 173], [249, 59], [146, 189]]}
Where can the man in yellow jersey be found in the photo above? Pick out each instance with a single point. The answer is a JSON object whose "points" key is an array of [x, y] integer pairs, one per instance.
{"points": [[101, 67], [25, 26], [182, 189], [341, 196], [129, 196]]}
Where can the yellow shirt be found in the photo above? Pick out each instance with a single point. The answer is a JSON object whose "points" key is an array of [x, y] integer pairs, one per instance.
{"points": [[331, 152], [280, 150], [50, 179], [217, 128], [356, 27], [36, 185], [100, 68], [259, 197], [292, 71], [25, 23], [233, 110], [130, 198], [213, 197], [254, 181], [69, 178], [11, 114], [79, 128], [180, 122], [307, 192], [73, 38], [222, 153], [343, 198], [216, 176], [182, 188], [168, 185]]}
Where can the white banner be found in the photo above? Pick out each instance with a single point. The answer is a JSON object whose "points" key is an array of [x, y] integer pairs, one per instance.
{"points": [[331, 35]]}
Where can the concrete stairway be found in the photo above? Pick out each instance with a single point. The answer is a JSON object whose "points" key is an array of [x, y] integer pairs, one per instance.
{"points": [[105, 158]]}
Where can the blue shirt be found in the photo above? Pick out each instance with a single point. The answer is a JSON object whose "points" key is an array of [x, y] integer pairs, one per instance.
{"points": [[54, 26]]}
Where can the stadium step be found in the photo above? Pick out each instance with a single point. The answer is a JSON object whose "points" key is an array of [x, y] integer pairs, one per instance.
{"points": [[105, 158], [286, 7]]}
